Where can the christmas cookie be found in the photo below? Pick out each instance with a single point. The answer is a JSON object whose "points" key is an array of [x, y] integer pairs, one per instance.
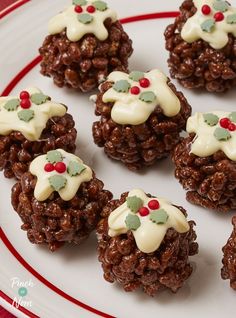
{"points": [[145, 242], [141, 117], [59, 200], [206, 160], [86, 42], [32, 124], [229, 260], [201, 43]]}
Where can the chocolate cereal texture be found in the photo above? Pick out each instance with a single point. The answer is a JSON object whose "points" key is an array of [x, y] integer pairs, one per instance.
{"points": [[54, 221], [210, 181], [17, 150], [167, 268], [84, 64], [229, 258], [197, 64], [140, 145]]}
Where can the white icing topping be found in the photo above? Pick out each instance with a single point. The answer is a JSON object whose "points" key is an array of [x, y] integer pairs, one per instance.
{"points": [[75, 30], [129, 109], [32, 130], [205, 143], [43, 189], [149, 235], [218, 38]]}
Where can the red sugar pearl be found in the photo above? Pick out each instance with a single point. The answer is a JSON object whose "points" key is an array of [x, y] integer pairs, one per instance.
{"points": [[25, 103], [60, 167], [91, 9], [144, 82], [225, 122], [78, 9], [24, 95], [135, 90], [219, 16], [153, 205], [143, 211], [232, 127], [206, 9], [49, 167]]}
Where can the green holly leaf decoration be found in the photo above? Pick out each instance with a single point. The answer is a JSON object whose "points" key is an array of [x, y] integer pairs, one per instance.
{"points": [[38, 98], [54, 156], [211, 119], [222, 134], [26, 115], [12, 105], [132, 222], [147, 97], [122, 86], [100, 5], [57, 182], [80, 2], [232, 117], [85, 18], [159, 216], [231, 19], [208, 25], [221, 6], [75, 168], [134, 203], [136, 75]]}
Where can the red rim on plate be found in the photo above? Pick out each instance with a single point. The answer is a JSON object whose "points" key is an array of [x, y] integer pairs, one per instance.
{"points": [[12, 84]]}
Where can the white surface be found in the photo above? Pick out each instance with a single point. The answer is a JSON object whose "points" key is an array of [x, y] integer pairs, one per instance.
{"points": [[75, 269]]}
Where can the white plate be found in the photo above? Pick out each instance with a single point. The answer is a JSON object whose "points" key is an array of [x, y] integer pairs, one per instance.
{"points": [[69, 283]]}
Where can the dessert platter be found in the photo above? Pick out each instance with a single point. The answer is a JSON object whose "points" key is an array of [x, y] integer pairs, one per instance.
{"points": [[118, 159]]}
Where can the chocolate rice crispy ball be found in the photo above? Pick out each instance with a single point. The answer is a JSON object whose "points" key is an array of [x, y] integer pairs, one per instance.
{"points": [[83, 57], [139, 142], [136, 263], [59, 218], [21, 140], [204, 161], [195, 62], [229, 260]]}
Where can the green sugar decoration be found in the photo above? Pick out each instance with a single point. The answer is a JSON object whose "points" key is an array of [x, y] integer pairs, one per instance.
{"points": [[57, 182], [132, 222], [54, 156], [134, 203]]}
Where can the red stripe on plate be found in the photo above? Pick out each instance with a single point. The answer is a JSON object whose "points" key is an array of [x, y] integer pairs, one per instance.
{"points": [[150, 16], [13, 8], [3, 237], [22, 309], [43, 280]]}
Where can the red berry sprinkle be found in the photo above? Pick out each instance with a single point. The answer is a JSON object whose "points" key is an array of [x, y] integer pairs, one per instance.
{"points": [[135, 90], [232, 127], [24, 95], [153, 205], [206, 9], [25, 103], [225, 122], [91, 9], [49, 167], [78, 9], [219, 16], [144, 82], [60, 167], [143, 211]]}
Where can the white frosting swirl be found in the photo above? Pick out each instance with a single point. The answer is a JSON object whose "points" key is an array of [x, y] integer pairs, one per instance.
{"points": [[205, 143], [218, 37], [43, 189], [32, 130], [129, 109], [149, 235], [75, 30]]}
